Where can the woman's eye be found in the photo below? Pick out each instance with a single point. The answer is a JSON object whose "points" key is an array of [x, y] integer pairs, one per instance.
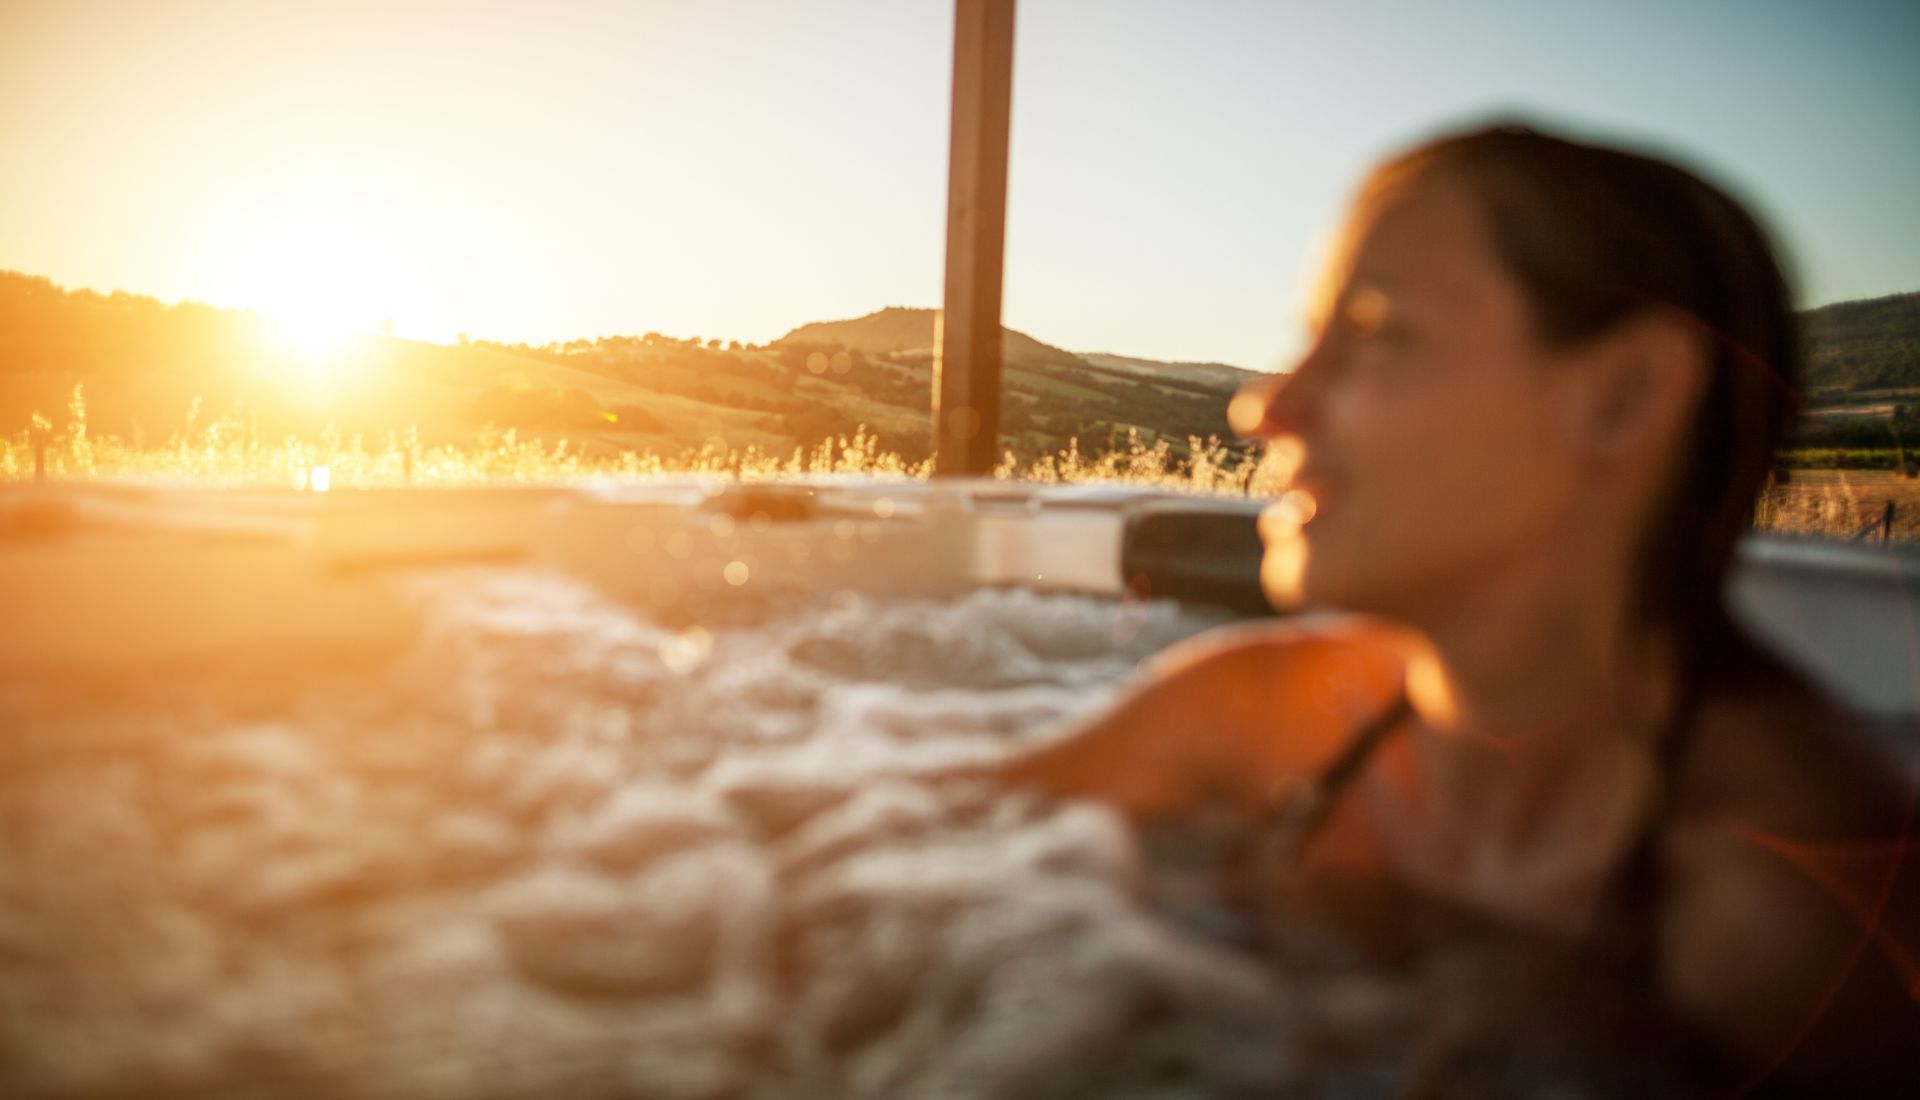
{"points": [[1366, 311]]}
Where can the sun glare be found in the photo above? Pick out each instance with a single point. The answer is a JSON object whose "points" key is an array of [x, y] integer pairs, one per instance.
{"points": [[311, 336], [314, 350], [319, 273]]}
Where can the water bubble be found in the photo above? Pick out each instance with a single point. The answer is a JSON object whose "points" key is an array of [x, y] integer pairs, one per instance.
{"points": [[613, 724], [687, 650]]}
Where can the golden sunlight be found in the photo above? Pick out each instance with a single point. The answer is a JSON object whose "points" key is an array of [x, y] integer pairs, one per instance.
{"points": [[317, 272], [312, 354], [313, 338]]}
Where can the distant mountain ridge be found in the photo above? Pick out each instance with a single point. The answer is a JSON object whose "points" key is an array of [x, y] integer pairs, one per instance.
{"points": [[1049, 392], [1869, 344], [1219, 374], [147, 367], [151, 371], [907, 333]]}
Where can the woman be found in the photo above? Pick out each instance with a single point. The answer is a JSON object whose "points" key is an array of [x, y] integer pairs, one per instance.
{"points": [[1545, 380]]}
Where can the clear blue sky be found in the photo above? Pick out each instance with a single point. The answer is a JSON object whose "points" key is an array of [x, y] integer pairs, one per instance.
{"points": [[735, 168]]}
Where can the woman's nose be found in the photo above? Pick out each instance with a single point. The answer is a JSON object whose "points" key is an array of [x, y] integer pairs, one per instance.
{"points": [[1247, 412], [1269, 406]]}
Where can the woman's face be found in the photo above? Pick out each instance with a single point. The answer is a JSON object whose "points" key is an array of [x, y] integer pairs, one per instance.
{"points": [[1421, 417]]}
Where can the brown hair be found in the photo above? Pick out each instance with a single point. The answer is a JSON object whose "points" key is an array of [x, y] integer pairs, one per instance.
{"points": [[1596, 236]]}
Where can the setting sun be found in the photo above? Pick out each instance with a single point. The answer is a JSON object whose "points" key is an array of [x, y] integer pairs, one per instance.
{"points": [[318, 272], [310, 336]]}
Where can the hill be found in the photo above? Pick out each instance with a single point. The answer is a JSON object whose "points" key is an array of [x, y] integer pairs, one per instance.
{"points": [[1052, 395], [153, 371], [1856, 347], [905, 333], [1855, 350], [1208, 374], [148, 368]]}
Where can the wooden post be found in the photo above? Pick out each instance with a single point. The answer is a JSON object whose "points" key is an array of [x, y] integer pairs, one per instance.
{"points": [[966, 371]]}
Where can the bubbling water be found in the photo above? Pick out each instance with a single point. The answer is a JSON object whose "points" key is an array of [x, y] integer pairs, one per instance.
{"points": [[555, 848]]}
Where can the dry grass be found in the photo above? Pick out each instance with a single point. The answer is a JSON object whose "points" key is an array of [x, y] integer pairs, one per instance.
{"points": [[1841, 504], [227, 451], [224, 450]]}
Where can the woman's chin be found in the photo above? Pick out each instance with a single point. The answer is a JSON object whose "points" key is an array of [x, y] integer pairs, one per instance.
{"points": [[1310, 567], [1284, 572]]}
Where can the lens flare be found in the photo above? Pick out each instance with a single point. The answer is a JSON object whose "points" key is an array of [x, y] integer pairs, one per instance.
{"points": [[1284, 517], [687, 650], [1298, 506]]}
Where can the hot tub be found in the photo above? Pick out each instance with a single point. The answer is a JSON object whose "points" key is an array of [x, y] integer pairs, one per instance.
{"points": [[636, 791]]}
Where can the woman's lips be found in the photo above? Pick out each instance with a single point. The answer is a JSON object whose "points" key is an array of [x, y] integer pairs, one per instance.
{"points": [[1295, 509]]}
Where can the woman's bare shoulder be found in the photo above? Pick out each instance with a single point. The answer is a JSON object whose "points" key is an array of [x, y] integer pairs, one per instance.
{"points": [[1782, 756], [1224, 715], [1281, 645]]}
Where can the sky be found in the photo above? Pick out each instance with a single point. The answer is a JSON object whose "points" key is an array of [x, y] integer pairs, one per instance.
{"points": [[736, 168]]}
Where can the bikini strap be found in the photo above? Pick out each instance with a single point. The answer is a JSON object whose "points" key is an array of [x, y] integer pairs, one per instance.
{"points": [[1293, 820]]}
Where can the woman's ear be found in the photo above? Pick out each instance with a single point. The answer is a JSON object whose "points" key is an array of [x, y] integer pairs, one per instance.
{"points": [[1640, 388]]}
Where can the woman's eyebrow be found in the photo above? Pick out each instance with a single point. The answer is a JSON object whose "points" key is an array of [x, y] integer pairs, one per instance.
{"points": [[1321, 306], [1368, 280]]}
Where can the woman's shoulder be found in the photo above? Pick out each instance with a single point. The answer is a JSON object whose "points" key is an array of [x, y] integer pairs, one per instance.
{"points": [[1304, 683], [1774, 750], [1224, 717], [1789, 917], [1294, 648]]}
